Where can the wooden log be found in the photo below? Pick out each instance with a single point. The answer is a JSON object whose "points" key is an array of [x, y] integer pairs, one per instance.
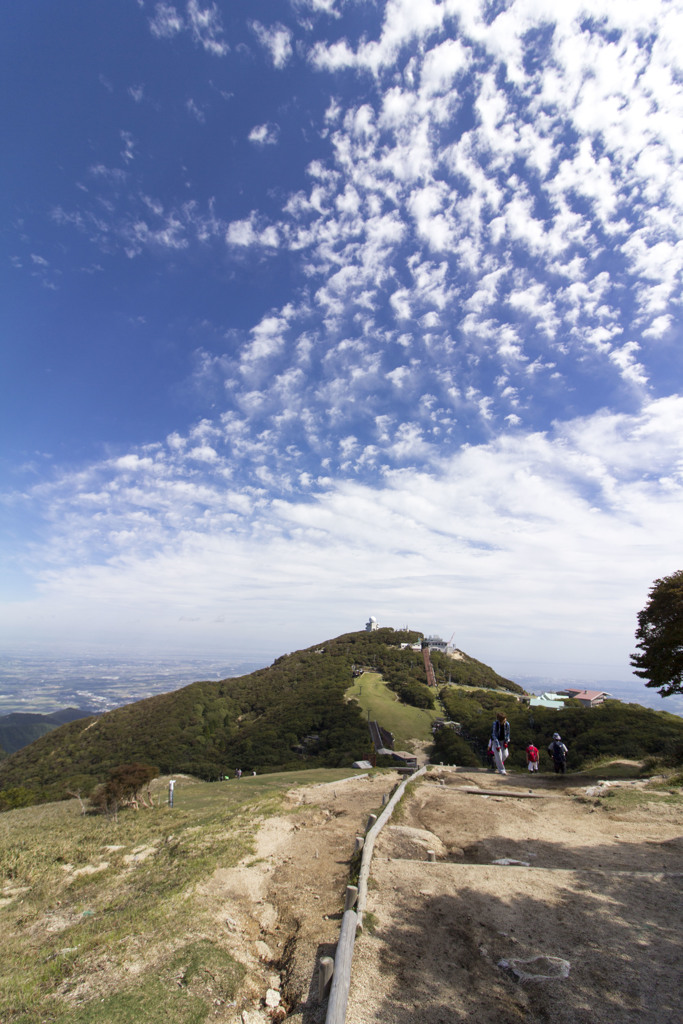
{"points": [[431, 856], [341, 978], [370, 844], [359, 844], [520, 794], [371, 821], [325, 971], [351, 896]]}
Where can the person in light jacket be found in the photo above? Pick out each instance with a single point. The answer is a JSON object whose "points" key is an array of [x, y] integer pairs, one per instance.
{"points": [[500, 739]]}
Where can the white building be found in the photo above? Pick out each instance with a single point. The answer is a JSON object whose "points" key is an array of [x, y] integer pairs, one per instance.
{"points": [[435, 643], [371, 624]]}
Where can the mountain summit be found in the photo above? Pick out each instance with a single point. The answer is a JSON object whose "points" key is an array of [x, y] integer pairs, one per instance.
{"points": [[272, 719]]}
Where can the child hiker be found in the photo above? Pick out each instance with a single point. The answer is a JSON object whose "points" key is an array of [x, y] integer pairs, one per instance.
{"points": [[532, 758]]}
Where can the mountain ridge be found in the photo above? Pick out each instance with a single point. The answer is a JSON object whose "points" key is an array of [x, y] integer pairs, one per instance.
{"points": [[275, 718]]}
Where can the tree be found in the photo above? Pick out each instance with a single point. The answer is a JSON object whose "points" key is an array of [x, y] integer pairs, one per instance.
{"points": [[660, 637], [124, 788]]}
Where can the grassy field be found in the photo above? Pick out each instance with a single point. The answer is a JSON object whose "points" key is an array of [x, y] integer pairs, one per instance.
{"points": [[404, 722], [100, 921]]}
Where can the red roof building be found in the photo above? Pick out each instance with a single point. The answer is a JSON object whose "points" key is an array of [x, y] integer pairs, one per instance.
{"points": [[589, 698]]}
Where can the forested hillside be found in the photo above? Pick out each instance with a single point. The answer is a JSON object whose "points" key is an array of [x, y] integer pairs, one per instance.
{"points": [[20, 728], [611, 730], [467, 671], [273, 719]]}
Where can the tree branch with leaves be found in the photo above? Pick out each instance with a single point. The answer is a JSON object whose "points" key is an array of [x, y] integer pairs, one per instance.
{"points": [[659, 658]]}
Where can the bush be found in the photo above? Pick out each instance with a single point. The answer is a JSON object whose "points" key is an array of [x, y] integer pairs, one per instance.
{"points": [[124, 788], [453, 749], [16, 796]]}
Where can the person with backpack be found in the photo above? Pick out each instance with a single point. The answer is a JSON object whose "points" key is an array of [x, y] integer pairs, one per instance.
{"points": [[532, 758], [500, 740], [558, 752]]}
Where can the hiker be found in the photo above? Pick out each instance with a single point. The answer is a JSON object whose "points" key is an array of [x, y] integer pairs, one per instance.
{"points": [[500, 739], [558, 752], [532, 758]]}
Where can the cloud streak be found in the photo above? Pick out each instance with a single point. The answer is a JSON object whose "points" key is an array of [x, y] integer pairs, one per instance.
{"points": [[502, 540]]}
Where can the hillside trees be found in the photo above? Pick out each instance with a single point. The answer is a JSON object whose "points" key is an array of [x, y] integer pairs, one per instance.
{"points": [[660, 637], [467, 671], [268, 720], [611, 730]]}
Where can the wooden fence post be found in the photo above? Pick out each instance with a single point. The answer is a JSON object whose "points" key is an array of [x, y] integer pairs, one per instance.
{"points": [[325, 970], [351, 896]]}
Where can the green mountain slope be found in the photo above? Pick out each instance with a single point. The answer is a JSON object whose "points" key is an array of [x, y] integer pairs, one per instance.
{"points": [[612, 730], [276, 718], [20, 728], [460, 668]]}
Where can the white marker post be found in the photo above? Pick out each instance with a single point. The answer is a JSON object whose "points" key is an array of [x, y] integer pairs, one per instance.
{"points": [[171, 784]]}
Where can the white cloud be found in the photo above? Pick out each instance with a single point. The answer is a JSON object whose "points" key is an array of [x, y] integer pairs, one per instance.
{"points": [[404, 21], [659, 327], [195, 111], [264, 134], [241, 233], [248, 232], [442, 64], [203, 453], [267, 339], [324, 6], [166, 22], [207, 29], [277, 39], [481, 541], [204, 23]]}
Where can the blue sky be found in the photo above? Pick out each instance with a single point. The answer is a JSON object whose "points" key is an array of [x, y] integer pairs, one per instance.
{"points": [[319, 309]]}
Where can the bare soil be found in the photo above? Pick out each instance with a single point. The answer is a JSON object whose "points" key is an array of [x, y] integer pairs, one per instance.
{"points": [[577, 923]]}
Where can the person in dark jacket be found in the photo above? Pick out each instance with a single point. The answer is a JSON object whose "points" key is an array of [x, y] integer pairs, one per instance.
{"points": [[500, 740], [558, 752]]}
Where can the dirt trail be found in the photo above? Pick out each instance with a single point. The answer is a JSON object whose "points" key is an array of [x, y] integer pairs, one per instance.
{"points": [[282, 907], [590, 892], [594, 892]]}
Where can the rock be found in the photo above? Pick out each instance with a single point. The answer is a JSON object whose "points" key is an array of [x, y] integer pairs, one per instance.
{"points": [[273, 998], [253, 1017]]}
